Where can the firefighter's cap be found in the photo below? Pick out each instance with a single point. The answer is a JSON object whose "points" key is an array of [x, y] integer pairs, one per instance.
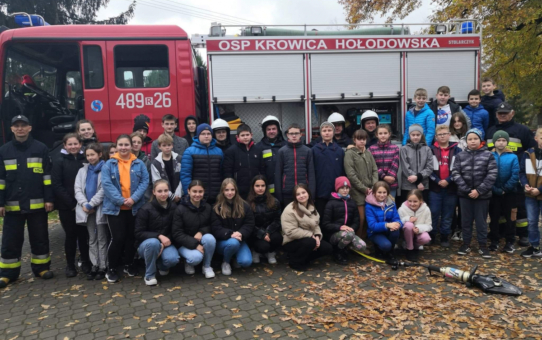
{"points": [[504, 107], [19, 118]]}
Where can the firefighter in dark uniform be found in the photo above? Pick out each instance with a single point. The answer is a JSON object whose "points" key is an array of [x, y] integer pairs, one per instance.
{"points": [[521, 139], [26, 195]]}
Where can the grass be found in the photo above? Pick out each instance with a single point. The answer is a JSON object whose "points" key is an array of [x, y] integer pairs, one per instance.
{"points": [[53, 218]]}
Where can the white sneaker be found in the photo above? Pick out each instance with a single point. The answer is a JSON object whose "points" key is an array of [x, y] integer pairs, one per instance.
{"points": [[226, 269], [455, 236], [163, 272], [189, 269], [209, 272], [151, 282], [236, 264], [271, 258], [255, 257], [420, 248]]}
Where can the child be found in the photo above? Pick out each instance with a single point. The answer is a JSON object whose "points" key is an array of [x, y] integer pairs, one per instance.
{"points": [[167, 165], [504, 192], [153, 233], [530, 177], [242, 161], [416, 160], [232, 224], [141, 125], [340, 222], [294, 166], [474, 172], [443, 108], [386, 156], [420, 114], [361, 170], [458, 130], [442, 189], [169, 124], [190, 126], [477, 114], [416, 219], [137, 143], [89, 210], [492, 99], [328, 164], [63, 180], [86, 131], [383, 221], [192, 230], [109, 151]]}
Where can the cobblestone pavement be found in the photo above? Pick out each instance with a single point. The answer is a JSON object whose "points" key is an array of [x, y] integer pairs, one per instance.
{"points": [[264, 301]]}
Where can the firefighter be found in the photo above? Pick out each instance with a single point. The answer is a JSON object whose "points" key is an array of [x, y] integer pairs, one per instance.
{"points": [[221, 130], [26, 196], [269, 146], [369, 122]]}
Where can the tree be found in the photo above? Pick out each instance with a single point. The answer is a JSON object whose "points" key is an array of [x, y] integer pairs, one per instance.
{"points": [[512, 36], [62, 12]]}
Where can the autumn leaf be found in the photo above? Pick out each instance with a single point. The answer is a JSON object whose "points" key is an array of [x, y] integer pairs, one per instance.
{"points": [[268, 329], [237, 325], [238, 298]]}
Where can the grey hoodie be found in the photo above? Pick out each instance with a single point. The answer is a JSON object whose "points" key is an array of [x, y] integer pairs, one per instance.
{"points": [[415, 160]]}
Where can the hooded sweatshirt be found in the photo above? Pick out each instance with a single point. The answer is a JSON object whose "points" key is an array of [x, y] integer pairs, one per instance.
{"points": [[423, 215], [124, 176], [188, 137]]}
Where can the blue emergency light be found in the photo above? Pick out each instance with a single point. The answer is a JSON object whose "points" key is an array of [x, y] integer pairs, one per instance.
{"points": [[27, 20], [467, 27]]}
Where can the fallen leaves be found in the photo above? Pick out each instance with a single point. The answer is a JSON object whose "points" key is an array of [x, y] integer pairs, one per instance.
{"points": [[269, 330]]}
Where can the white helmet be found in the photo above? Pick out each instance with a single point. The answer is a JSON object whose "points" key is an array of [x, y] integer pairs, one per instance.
{"points": [[220, 124], [270, 118], [368, 115], [336, 117]]}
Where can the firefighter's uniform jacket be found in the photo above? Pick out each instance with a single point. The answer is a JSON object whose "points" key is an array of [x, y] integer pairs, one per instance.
{"points": [[25, 187]]}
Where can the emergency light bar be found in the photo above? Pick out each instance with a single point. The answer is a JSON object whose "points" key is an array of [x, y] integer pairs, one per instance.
{"points": [[26, 20]]}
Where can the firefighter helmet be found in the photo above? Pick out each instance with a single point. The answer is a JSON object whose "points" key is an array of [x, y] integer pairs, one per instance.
{"points": [[269, 119], [220, 124], [335, 118], [369, 115]]}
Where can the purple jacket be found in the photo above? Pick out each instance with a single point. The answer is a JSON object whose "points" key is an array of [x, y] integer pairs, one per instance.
{"points": [[387, 160]]}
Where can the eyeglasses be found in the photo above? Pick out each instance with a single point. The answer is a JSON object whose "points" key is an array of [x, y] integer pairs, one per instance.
{"points": [[443, 134]]}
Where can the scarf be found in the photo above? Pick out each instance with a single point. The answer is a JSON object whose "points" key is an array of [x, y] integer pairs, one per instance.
{"points": [[92, 180]]}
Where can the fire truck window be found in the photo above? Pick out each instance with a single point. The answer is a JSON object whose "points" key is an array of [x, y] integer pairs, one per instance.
{"points": [[74, 88], [94, 70], [141, 66], [21, 70]]}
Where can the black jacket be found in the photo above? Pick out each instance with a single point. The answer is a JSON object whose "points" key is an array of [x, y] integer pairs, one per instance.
{"points": [[25, 176], [490, 103], [223, 228], [268, 152], [343, 142], [334, 215], [521, 138], [153, 220], [188, 220], [454, 107], [65, 170], [188, 137], [475, 169], [294, 166], [242, 165], [266, 221]]}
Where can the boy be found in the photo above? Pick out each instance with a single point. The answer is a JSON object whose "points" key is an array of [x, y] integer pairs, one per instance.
{"points": [[444, 108], [294, 166], [504, 192], [167, 165], [420, 114], [492, 99], [442, 189], [531, 178], [141, 125], [340, 137], [474, 171], [169, 124], [242, 161], [328, 164], [477, 114]]}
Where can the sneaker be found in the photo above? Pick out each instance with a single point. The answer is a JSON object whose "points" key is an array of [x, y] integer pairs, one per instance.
{"points": [[338, 258], [189, 269], [100, 275], [112, 276], [4, 282], [255, 257], [151, 281], [208, 272], [464, 250], [484, 252], [271, 258], [445, 244], [532, 251], [86, 268], [494, 246], [163, 272], [236, 264], [92, 274], [456, 236], [71, 271], [509, 248], [130, 270], [420, 248], [226, 269], [523, 241]]}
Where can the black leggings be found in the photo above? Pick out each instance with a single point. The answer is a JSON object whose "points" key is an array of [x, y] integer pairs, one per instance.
{"points": [[262, 246], [121, 247], [301, 251], [75, 235]]}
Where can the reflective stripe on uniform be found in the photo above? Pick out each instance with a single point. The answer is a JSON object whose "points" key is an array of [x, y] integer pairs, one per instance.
{"points": [[37, 203], [40, 259], [10, 164], [514, 144], [267, 153], [46, 179], [34, 162], [9, 263], [271, 188], [522, 223], [2, 184], [12, 206]]}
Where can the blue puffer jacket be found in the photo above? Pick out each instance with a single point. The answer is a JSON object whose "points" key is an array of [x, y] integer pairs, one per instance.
{"points": [[328, 165], [508, 176], [479, 118], [377, 216], [139, 182], [426, 118]]}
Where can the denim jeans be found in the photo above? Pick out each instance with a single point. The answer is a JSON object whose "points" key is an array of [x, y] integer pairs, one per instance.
{"points": [[232, 246], [385, 241], [534, 207], [149, 250], [442, 205], [194, 257]]}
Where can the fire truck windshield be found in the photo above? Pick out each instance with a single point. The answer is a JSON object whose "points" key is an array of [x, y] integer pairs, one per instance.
{"points": [[21, 70]]}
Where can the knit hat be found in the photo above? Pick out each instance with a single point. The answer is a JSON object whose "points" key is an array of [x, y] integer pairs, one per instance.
{"points": [[342, 182], [203, 127], [475, 131], [327, 124], [415, 127], [141, 122], [501, 134]]}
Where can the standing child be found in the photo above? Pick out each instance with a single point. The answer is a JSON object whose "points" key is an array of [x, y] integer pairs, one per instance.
{"points": [[89, 211], [458, 130], [87, 133], [477, 114], [167, 166], [421, 115], [416, 218], [141, 125], [492, 99], [443, 108], [386, 156], [190, 126], [109, 151], [474, 172], [169, 124]]}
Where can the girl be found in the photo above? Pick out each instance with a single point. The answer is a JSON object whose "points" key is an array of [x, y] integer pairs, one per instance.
{"points": [[89, 195], [232, 224], [340, 222], [153, 233], [458, 129], [63, 179], [190, 125], [137, 144], [301, 231], [85, 129], [266, 237], [109, 151], [124, 179], [386, 157], [416, 160], [383, 220], [416, 218], [192, 230]]}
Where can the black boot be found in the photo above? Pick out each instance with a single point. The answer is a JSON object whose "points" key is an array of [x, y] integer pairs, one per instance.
{"points": [[411, 255], [71, 271], [339, 258]]}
